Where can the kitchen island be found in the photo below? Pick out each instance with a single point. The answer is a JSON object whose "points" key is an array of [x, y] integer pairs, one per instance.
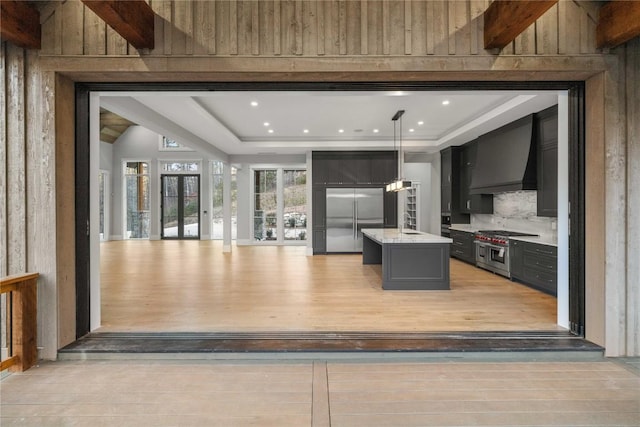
{"points": [[411, 260]]}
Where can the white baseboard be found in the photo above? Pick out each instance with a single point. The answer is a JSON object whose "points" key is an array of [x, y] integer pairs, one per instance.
{"points": [[226, 248], [205, 237], [115, 237], [243, 242], [309, 251], [154, 237]]}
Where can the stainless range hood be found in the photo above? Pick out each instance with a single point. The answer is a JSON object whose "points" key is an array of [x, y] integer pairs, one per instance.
{"points": [[506, 159]]}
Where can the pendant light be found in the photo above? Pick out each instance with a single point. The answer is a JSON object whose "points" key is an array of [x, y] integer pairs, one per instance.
{"points": [[399, 184]]}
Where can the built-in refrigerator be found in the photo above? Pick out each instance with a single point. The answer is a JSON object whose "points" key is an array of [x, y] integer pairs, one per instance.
{"points": [[349, 210]]}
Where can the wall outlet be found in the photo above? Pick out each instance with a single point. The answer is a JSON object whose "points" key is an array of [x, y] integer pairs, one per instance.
{"points": [[554, 225]]}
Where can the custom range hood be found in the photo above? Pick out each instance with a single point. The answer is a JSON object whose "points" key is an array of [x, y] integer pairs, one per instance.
{"points": [[506, 159]]}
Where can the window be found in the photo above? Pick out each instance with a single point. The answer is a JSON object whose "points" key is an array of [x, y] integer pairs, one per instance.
{"points": [[265, 205], [180, 166], [168, 144], [279, 204], [137, 200], [295, 204]]}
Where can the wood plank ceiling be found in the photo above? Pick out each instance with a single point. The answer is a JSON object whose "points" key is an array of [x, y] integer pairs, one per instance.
{"points": [[112, 126]]}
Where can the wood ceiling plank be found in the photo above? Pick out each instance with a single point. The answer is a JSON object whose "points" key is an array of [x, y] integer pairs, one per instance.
{"points": [[132, 19], [504, 20], [20, 24], [619, 22]]}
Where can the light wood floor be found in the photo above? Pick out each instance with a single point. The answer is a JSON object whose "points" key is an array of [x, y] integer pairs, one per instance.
{"points": [[322, 394], [191, 286]]}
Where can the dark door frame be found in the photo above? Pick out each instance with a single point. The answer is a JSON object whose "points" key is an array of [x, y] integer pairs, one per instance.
{"points": [[180, 207], [576, 90]]}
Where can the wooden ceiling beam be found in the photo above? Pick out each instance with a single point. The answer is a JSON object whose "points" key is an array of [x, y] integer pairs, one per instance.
{"points": [[504, 20], [20, 24], [132, 19], [618, 22]]}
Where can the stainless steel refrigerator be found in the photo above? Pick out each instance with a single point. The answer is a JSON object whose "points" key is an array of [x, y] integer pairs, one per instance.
{"points": [[349, 210]]}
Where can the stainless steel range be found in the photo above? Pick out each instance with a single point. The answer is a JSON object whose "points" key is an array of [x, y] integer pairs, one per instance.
{"points": [[492, 250]]}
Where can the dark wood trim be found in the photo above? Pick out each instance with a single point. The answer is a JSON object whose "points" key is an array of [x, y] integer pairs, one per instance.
{"points": [[576, 172], [132, 19], [20, 24], [618, 22], [504, 20], [83, 194], [577, 213]]}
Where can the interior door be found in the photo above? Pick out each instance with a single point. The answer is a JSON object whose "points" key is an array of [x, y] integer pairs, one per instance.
{"points": [[180, 206]]}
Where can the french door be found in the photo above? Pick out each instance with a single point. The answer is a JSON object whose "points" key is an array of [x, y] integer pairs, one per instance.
{"points": [[180, 206]]}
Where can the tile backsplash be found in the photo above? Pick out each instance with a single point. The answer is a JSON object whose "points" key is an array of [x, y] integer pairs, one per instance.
{"points": [[516, 211]]}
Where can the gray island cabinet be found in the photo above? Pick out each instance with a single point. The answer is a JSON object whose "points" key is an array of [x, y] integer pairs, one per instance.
{"points": [[411, 260]]}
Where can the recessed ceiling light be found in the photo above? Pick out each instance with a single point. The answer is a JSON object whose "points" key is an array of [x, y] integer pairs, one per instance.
{"points": [[420, 123], [412, 130], [341, 130], [306, 131], [270, 130], [445, 102], [266, 123], [376, 131], [254, 103]]}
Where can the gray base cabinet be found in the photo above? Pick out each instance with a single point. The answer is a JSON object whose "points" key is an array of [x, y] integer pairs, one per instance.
{"points": [[409, 266], [463, 247], [534, 265]]}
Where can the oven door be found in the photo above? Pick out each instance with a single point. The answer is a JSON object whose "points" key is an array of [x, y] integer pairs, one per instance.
{"points": [[493, 258], [499, 256]]}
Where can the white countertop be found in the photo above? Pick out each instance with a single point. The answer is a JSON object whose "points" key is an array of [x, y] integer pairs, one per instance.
{"points": [[463, 227], [393, 235], [536, 239]]}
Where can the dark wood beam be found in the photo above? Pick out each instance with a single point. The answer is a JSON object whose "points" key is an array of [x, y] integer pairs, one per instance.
{"points": [[504, 20], [619, 22], [20, 24], [132, 19]]}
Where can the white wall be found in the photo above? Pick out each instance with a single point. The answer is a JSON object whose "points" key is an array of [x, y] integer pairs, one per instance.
{"points": [[139, 143], [106, 156]]}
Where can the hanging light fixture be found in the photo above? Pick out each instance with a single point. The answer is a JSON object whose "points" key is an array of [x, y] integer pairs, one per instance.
{"points": [[398, 184]]}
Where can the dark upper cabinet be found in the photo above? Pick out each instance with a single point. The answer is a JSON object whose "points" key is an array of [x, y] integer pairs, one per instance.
{"points": [[450, 178], [547, 139], [472, 203], [353, 168], [383, 168], [390, 210], [446, 169]]}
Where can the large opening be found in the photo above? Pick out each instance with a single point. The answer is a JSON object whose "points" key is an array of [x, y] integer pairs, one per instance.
{"points": [[277, 285]]}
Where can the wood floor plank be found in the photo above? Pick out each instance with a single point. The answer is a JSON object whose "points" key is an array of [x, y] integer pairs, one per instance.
{"points": [[191, 286]]}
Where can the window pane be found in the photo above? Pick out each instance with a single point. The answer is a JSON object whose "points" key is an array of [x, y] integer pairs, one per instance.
{"points": [[180, 167], [265, 205], [217, 217], [295, 204], [137, 194]]}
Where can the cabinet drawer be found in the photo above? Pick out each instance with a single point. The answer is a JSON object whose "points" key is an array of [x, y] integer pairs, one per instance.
{"points": [[540, 262], [543, 280]]}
